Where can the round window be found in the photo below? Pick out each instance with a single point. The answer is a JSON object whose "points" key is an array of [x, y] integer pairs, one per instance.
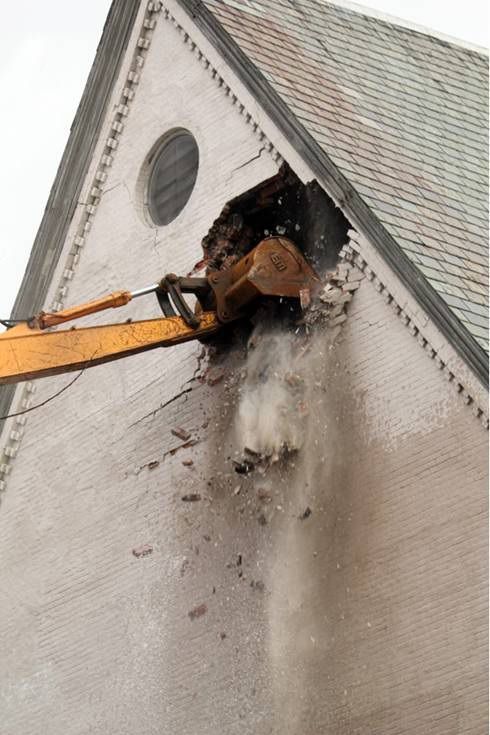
{"points": [[172, 177]]}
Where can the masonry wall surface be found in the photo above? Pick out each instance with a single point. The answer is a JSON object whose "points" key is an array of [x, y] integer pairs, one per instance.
{"points": [[367, 616]]}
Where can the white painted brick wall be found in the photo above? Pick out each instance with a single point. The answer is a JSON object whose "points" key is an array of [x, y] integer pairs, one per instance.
{"points": [[372, 618]]}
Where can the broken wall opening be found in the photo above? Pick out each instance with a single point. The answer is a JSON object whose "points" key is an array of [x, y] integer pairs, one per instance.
{"points": [[281, 205]]}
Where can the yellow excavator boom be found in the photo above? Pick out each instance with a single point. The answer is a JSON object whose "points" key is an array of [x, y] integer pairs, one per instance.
{"points": [[274, 268], [26, 353]]}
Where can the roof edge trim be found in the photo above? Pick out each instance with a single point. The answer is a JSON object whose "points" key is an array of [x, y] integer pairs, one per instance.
{"points": [[348, 198], [72, 170]]}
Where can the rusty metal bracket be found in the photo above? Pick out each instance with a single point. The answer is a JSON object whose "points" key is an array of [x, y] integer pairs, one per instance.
{"points": [[170, 294]]}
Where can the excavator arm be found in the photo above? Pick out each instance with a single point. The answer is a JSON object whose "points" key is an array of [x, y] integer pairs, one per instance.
{"points": [[274, 268]]}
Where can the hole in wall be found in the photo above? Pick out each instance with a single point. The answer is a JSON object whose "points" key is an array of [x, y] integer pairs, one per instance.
{"points": [[281, 205]]}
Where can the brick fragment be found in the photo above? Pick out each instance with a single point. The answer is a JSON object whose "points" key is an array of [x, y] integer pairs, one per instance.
{"points": [[215, 376], [351, 286], [198, 611], [191, 498], [181, 433]]}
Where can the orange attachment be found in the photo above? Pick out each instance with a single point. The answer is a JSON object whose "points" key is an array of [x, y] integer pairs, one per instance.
{"points": [[43, 320]]}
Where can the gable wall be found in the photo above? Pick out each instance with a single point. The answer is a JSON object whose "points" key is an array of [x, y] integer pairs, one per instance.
{"points": [[369, 615]]}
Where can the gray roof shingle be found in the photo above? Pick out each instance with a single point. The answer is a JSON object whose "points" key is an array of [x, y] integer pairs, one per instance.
{"points": [[403, 115]]}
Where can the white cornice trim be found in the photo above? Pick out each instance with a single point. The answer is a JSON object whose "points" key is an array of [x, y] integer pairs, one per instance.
{"points": [[15, 427]]}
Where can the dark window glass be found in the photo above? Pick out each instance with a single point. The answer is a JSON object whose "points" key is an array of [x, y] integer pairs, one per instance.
{"points": [[173, 177]]}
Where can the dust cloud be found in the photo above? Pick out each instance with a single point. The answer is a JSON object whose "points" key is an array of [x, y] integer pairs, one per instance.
{"points": [[288, 412], [270, 417]]}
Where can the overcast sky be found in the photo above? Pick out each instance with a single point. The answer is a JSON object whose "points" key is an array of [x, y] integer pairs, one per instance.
{"points": [[47, 51]]}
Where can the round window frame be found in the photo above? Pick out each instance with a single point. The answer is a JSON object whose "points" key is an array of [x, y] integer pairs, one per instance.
{"points": [[149, 169]]}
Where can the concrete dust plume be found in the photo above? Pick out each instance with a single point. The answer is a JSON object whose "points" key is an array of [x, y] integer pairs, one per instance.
{"points": [[271, 411]]}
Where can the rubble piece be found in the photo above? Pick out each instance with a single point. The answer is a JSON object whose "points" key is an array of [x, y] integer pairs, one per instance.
{"points": [[264, 495], [294, 380], [262, 519], [207, 537], [258, 585], [342, 271], [214, 376], [306, 513], [188, 462], [185, 445], [355, 275], [336, 311], [154, 463], [239, 560], [244, 467], [222, 635], [302, 409], [144, 550], [338, 320], [304, 298], [191, 498], [327, 293], [252, 452], [184, 565], [181, 433], [198, 611], [237, 490], [335, 297], [351, 286]]}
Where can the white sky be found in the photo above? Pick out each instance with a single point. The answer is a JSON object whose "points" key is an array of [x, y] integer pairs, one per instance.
{"points": [[47, 51]]}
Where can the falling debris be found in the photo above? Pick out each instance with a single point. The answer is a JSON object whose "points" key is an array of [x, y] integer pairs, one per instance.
{"points": [[264, 495], [144, 550], [252, 453], [268, 423], [187, 462], [181, 434], [304, 298], [258, 585], [198, 611], [243, 468], [306, 513], [191, 498], [153, 464], [214, 376]]}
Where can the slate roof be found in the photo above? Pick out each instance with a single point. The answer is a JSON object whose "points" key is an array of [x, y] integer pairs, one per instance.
{"points": [[403, 115]]}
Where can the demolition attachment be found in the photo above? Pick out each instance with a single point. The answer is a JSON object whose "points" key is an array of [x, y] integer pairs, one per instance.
{"points": [[274, 268]]}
